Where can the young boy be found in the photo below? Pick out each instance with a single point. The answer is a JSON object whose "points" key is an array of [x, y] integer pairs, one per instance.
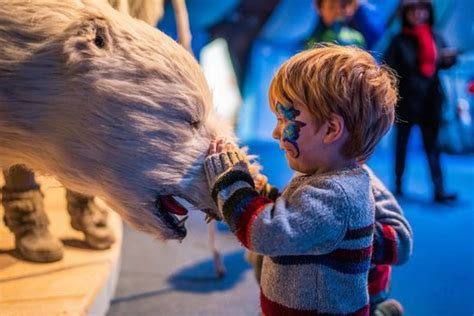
{"points": [[393, 244], [333, 104]]}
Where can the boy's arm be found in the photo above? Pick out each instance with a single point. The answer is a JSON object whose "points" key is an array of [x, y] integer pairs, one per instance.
{"points": [[393, 239], [304, 225]]}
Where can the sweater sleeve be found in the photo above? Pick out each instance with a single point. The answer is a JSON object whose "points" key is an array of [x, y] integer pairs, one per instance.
{"points": [[304, 224], [393, 239]]}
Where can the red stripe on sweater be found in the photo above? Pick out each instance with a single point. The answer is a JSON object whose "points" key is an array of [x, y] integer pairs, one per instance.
{"points": [[270, 308], [390, 244], [251, 212], [379, 278]]}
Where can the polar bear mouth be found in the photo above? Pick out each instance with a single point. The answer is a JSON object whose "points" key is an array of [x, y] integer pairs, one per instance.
{"points": [[169, 209], [172, 213]]}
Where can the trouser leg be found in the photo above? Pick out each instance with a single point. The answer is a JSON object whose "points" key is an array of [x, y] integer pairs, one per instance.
{"points": [[429, 133], [402, 136]]}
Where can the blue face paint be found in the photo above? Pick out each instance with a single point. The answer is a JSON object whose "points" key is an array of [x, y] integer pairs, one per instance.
{"points": [[291, 131]]}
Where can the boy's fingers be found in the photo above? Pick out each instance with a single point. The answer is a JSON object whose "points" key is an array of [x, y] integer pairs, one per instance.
{"points": [[220, 145], [230, 146], [212, 147]]}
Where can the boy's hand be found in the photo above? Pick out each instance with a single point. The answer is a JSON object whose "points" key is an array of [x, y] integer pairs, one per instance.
{"points": [[224, 156], [221, 144]]}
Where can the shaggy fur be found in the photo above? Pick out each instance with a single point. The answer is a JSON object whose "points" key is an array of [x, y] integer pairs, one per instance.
{"points": [[108, 104]]}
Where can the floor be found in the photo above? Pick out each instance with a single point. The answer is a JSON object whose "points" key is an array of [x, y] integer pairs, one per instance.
{"points": [[82, 281], [178, 279]]}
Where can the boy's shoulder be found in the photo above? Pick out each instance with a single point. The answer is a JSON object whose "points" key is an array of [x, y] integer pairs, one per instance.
{"points": [[343, 177], [348, 182], [347, 192]]}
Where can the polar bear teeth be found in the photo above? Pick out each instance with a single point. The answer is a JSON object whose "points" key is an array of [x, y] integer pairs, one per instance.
{"points": [[181, 220]]}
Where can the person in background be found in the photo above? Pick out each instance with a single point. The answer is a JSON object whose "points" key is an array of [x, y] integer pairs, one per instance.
{"points": [[417, 53], [333, 27]]}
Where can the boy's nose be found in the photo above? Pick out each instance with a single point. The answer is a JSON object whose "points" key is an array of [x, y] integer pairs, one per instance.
{"points": [[276, 133]]}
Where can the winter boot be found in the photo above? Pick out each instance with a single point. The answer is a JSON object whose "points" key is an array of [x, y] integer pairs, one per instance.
{"points": [[25, 217], [91, 219]]}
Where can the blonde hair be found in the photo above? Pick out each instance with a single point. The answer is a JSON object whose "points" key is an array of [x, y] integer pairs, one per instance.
{"points": [[347, 81]]}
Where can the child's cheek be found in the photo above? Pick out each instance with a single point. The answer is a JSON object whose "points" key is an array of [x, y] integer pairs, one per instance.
{"points": [[292, 150], [290, 140]]}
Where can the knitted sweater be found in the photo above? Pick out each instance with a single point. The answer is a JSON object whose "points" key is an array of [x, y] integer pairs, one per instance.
{"points": [[393, 239], [316, 237]]}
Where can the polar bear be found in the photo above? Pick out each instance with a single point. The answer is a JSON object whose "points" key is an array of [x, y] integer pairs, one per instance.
{"points": [[107, 104]]}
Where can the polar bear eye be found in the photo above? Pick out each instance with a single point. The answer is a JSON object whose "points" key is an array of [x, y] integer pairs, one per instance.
{"points": [[195, 124], [99, 41]]}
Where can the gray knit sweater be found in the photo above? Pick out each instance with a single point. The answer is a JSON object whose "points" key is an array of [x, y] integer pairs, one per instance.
{"points": [[316, 237]]}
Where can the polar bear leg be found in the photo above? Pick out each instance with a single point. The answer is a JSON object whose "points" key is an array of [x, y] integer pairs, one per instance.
{"points": [[90, 218], [25, 216]]}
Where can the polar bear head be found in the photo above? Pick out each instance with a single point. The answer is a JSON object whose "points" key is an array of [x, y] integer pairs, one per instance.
{"points": [[109, 105]]}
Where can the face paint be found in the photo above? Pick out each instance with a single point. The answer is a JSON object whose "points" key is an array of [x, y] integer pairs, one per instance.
{"points": [[291, 131]]}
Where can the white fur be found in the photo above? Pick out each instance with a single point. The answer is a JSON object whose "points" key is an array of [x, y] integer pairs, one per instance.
{"points": [[114, 122]]}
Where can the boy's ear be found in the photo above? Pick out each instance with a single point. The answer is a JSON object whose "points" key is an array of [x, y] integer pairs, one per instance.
{"points": [[334, 129]]}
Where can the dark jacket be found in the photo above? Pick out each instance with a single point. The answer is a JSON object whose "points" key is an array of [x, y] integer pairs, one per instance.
{"points": [[421, 97]]}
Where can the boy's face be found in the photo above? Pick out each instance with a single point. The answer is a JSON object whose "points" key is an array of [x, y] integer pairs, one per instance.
{"points": [[299, 137]]}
